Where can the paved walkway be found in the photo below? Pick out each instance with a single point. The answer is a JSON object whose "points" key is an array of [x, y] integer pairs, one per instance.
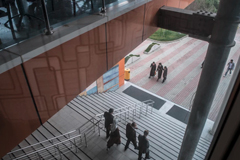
{"points": [[183, 59]]}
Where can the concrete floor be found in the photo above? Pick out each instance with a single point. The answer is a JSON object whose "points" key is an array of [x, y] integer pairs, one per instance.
{"points": [[183, 59]]}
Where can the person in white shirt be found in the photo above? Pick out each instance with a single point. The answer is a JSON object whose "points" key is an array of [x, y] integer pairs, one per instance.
{"points": [[230, 67]]}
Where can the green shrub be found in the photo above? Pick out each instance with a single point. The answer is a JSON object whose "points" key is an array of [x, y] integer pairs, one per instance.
{"points": [[129, 56], [166, 35], [149, 47]]}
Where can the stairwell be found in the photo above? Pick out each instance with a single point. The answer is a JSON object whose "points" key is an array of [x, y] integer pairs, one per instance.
{"points": [[165, 135]]}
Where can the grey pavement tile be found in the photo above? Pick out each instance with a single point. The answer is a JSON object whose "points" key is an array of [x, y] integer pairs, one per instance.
{"points": [[123, 157], [103, 154]]}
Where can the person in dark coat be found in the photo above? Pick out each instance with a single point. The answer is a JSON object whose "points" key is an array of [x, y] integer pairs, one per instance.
{"points": [[159, 69], [115, 137], [164, 74], [143, 145], [131, 135], [108, 121], [153, 69]]}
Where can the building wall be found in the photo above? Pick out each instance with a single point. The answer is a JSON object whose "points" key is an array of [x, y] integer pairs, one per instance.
{"points": [[109, 81], [58, 75], [18, 117]]}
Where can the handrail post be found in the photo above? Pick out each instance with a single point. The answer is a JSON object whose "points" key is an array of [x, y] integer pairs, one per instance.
{"points": [[128, 112], [59, 152], [55, 148], [103, 9], [70, 140], [80, 136], [75, 145], [125, 117], [140, 111], [46, 19], [133, 115], [151, 108], [85, 139], [135, 110], [38, 155], [93, 126], [99, 128], [146, 109], [10, 156], [120, 114]]}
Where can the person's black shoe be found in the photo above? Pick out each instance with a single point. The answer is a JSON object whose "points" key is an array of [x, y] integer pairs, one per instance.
{"points": [[147, 158], [149, 77], [136, 148], [125, 149]]}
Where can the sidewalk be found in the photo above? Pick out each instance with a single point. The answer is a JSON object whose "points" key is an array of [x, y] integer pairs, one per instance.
{"points": [[183, 59]]}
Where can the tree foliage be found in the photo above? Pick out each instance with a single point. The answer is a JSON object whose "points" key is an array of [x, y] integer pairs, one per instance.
{"points": [[206, 5]]}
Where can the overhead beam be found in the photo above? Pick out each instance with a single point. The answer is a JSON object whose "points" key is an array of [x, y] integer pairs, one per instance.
{"points": [[196, 24]]}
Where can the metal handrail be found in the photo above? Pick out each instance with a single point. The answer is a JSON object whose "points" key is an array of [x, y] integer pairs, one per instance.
{"points": [[41, 142], [125, 109], [97, 115], [53, 145]]}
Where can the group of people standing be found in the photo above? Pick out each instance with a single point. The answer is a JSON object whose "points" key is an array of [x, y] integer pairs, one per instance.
{"points": [[162, 71], [112, 131]]}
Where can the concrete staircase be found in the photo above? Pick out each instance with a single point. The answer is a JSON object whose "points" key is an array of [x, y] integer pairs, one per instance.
{"points": [[165, 135]]}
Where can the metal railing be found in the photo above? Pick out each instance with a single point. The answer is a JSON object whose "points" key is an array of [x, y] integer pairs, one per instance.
{"points": [[127, 112], [49, 149], [57, 146]]}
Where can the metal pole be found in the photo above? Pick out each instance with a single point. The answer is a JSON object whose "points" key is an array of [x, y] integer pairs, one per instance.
{"points": [[103, 9], [85, 139], [98, 129], [48, 28], [93, 126], [146, 109], [140, 111], [59, 152], [128, 112], [74, 7], [222, 39], [151, 108], [75, 145], [125, 117]]}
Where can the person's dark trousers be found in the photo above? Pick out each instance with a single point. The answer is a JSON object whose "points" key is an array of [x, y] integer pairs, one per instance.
{"points": [[140, 155], [107, 132], [164, 78], [228, 70], [134, 144]]}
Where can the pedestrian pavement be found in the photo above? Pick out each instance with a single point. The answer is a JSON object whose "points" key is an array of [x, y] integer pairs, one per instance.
{"points": [[183, 59]]}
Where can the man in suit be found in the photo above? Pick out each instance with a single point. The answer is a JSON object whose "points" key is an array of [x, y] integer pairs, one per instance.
{"points": [[108, 121], [131, 135], [143, 145], [165, 70]]}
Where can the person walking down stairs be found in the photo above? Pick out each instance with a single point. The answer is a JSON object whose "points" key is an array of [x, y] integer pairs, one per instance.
{"points": [[143, 145], [108, 121], [131, 135], [115, 137]]}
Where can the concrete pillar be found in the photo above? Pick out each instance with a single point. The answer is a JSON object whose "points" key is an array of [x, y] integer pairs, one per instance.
{"points": [[221, 41]]}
